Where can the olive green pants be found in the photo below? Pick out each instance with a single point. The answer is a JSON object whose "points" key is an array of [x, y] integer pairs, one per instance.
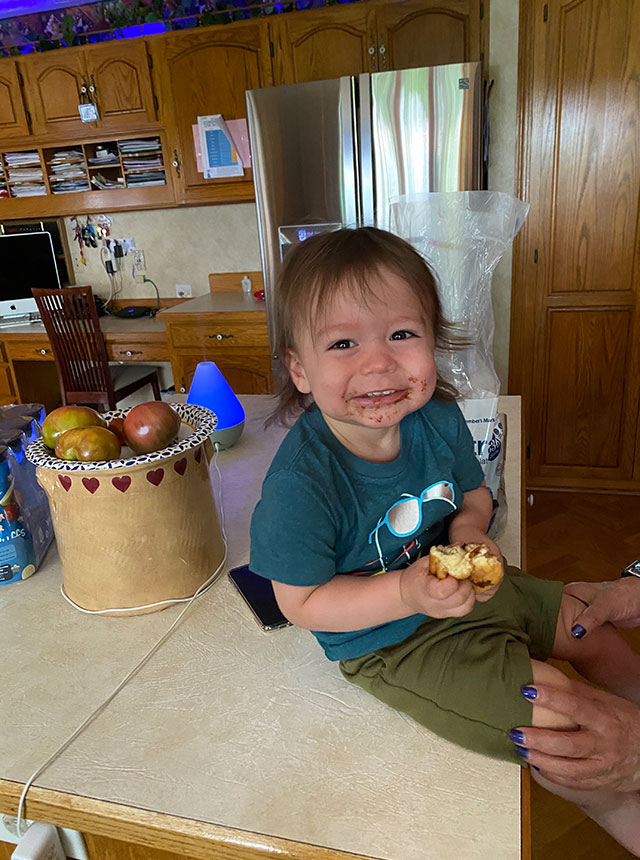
{"points": [[461, 677]]}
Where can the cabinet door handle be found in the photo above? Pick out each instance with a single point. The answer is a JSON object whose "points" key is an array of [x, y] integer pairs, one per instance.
{"points": [[93, 93], [176, 162], [220, 336], [383, 53], [372, 56], [183, 387]]}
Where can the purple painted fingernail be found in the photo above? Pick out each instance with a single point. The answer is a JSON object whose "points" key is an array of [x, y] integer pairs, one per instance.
{"points": [[523, 752], [529, 692], [516, 736], [578, 631]]}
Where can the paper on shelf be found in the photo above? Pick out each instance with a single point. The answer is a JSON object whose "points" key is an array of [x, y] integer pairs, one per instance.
{"points": [[219, 156]]}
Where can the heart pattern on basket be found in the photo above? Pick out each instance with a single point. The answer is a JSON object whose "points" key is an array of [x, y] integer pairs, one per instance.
{"points": [[65, 482], [155, 476], [180, 465], [91, 484], [121, 482]]}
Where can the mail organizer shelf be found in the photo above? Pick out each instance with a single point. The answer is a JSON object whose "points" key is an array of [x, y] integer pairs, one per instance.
{"points": [[85, 177]]}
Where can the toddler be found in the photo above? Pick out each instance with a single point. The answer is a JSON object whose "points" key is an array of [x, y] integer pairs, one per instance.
{"points": [[377, 468]]}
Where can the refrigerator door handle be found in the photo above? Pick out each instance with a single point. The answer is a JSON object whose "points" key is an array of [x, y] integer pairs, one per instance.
{"points": [[366, 152], [349, 153]]}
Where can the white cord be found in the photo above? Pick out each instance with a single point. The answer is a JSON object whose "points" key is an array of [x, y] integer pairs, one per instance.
{"points": [[190, 600]]}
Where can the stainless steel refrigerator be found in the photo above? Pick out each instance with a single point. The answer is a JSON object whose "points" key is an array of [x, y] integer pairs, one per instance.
{"points": [[334, 153]]}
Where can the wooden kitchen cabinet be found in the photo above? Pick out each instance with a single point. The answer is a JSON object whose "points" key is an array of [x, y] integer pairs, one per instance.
{"points": [[376, 37], [52, 86], [327, 43], [575, 313], [119, 72], [207, 71], [14, 120], [237, 340], [414, 33]]}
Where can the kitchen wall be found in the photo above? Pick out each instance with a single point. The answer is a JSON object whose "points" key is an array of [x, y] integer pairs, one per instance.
{"points": [[503, 70], [183, 245]]}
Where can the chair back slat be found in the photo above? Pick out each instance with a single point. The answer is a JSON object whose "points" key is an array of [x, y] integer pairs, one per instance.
{"points": [[71, 322]]}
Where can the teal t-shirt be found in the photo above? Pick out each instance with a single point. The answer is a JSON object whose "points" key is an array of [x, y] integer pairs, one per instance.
{"points": [[323, 510]]}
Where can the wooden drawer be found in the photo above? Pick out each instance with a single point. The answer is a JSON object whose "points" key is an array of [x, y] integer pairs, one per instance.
{"points": [[6, 383], [29, 350], [215, 336], [138, 351]]}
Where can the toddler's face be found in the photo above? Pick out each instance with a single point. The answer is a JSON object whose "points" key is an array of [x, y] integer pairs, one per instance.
{"points": [[368, 365]]}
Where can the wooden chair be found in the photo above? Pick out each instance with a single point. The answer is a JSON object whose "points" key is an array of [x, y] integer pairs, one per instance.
{"points": [[84, 373]]}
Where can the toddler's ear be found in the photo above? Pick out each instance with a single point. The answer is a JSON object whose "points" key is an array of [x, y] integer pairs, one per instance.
{"points": [[296, 372]]}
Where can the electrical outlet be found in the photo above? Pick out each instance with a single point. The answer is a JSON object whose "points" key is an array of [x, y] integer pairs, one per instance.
{"points": [[139, 263], [129, 245], [184, 291]]}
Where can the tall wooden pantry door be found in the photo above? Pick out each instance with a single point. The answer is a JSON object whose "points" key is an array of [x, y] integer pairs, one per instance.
{"points": [[575, 335]]}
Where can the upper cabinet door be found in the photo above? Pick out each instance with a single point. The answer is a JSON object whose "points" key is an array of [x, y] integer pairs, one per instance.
{"points": [[52, 84], [314, 46], [121, 74], [414, 33], [13, 117], [208, 72]]}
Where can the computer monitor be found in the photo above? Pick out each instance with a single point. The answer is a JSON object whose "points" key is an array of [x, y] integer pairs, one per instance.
{"points": [[27, 260]]}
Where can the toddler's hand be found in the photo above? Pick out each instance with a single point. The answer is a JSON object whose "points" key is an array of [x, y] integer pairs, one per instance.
{"points": [[437, 598]]}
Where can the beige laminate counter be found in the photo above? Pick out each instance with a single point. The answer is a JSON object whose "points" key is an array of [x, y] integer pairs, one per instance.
{"points": [[227, 301], [229, 727]]}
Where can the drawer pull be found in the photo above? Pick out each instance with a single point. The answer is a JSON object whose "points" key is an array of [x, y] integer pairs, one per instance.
{"points": [[130, 352], [43, 351], [220, 336]]}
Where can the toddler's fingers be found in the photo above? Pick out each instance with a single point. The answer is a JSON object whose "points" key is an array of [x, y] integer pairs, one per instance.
{"points": [[483, 596]]}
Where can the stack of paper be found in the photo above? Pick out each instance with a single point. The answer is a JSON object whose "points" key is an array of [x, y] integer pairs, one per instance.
{"points": [[69, 172], [24, 173]]}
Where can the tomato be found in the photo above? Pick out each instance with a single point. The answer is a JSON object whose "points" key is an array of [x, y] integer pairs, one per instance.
{"points": [[150, 426], [88, 444], [116, 425], [67, 418]]}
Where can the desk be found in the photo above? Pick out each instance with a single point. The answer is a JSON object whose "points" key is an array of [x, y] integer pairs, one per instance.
{"points": [[233, 743], [27, 369], [229, 328]]}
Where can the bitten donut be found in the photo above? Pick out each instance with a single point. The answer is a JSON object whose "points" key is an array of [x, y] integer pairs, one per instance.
{"points": [[472, 561]]}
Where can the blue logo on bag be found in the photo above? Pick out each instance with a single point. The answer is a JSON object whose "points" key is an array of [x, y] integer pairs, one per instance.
{"points": [[495, 443]]}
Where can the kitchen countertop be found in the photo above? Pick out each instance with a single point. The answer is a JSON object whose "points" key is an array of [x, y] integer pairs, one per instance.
{"points": [[230, 726], [231, 301], [108, 324]]}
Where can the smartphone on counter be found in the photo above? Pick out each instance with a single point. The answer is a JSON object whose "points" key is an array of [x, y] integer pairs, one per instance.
{"points": [[259, 597]]}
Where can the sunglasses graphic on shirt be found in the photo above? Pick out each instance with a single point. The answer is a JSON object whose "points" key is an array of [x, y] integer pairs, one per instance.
{"points": [[404, 517]]}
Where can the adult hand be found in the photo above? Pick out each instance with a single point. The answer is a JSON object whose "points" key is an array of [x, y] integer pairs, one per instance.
{"points": [[603, 753], [617, 602]]}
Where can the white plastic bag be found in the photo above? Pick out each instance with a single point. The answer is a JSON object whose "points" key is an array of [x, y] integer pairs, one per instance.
{"points": [[463, 235]]}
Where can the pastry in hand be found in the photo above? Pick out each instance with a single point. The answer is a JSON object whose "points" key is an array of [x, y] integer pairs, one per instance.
{"points": [[473, 561]]}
